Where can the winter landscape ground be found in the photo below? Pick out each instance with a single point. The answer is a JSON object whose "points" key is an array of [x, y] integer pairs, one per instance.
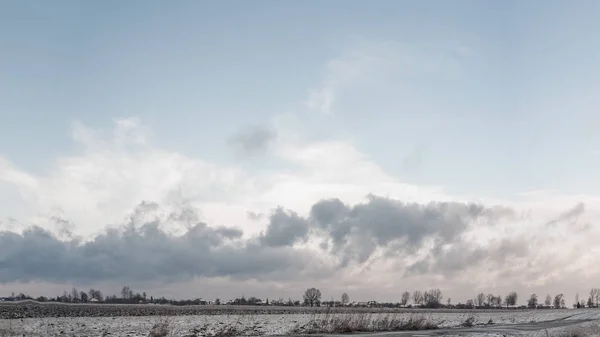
{"points": [[37, 320]]}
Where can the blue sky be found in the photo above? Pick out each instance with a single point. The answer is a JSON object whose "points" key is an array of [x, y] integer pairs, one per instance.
{"points": [[518, 114], [421, 101]]}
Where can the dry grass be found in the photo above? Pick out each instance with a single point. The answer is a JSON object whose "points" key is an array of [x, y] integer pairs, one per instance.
{"points": [[469, 322], [582, 332], [160, 329], [363, 322]]}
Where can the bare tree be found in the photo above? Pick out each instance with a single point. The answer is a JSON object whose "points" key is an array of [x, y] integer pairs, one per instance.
{"points": [[448, 301], [498, 301], [404, 298], [95, 294], [559, 301], [577, 300], [83, 296], [548, 300], [433, 298], [125, 292], [490, 299], [511, 298], [418, 297], [595, 296], [345, 298], [312, 296], [75, 294], [533, 301], [480, 299]]}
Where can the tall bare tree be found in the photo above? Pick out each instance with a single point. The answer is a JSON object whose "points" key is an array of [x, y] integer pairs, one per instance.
{"points": [[312, 296], [480, 299], [490, 299], [125, 292], [511, 298], [83, 296], [404, 298], [418, 297], [595, 296]]}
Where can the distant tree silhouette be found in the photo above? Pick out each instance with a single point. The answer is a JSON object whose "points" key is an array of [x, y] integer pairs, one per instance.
{"points": [[345, 298], [559, 301], [433, 298], [418, 297], [480, 299], [533, 301], [312, 296], [404, 298], [511, 298]]}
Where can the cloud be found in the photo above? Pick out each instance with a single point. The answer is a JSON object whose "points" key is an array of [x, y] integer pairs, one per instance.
{"points": [[320, 227], [144, 253], [254, 216], [109, 175], [254, 139], [143, 250], [285, 229], [383, 223], [461, 255], [570, 215]]}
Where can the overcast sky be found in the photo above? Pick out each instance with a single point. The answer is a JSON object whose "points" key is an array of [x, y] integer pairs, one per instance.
{"points": [[214, 149]]}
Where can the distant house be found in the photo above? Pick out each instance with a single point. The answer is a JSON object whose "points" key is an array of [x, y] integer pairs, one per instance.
{"points": [[94, 300]]}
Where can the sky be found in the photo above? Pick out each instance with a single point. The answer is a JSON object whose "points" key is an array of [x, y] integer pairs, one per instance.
{"points": [[214, 149]]}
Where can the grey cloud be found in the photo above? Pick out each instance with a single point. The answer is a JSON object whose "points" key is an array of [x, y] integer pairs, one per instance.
{"points": [[285, 228], [254, 216], [144, 253], [254, 138], [451, 259], [571, 215], [356, 232], [186, 214], [142, 250]]}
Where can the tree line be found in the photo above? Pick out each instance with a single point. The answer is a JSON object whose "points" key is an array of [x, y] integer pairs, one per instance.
{"points": [[312, 297]]}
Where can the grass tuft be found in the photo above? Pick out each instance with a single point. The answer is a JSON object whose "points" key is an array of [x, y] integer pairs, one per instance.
{"points": [[160, 329], [469, 322]]}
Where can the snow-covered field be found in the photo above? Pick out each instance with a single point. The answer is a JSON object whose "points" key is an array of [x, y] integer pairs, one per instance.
{"points": [[257, 325]]}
